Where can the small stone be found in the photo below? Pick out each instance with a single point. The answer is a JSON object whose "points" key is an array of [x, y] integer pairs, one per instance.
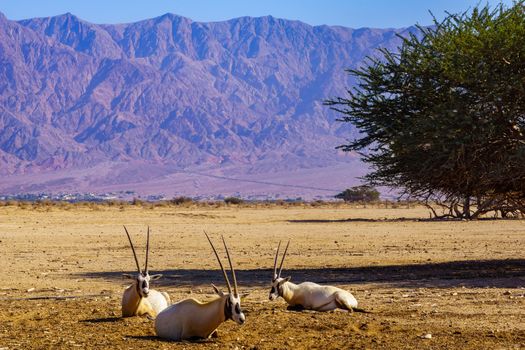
{"points": [[427, 336], [31, 290], [507, 293]]}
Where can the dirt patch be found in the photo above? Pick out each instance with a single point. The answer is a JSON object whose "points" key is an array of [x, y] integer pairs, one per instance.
{"points": [[462, 283]]}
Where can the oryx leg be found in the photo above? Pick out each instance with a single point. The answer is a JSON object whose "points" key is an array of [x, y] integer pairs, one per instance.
{"points": [[331, 305], [345, 302], [166, 295], [145, 309], [297, 307]]}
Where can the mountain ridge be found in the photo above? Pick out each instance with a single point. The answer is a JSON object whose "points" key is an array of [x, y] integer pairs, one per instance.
{"points": [[243, 94]]}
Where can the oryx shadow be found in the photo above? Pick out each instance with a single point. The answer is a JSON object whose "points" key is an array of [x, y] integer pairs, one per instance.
{"points": [[103, 320], [144, 337], [501, 273], [154, 338]]}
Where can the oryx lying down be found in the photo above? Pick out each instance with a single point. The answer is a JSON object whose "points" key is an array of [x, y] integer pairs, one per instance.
{"points": [[138, 299], [308, 295], [191, 318]]}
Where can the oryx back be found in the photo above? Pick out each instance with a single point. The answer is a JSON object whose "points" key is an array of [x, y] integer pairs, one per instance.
{"points": [[308, 295], [324, 298], [189, 318]]}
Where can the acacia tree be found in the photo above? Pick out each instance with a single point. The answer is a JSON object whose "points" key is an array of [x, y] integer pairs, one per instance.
{"points": [[362, 193], [443, 118]]}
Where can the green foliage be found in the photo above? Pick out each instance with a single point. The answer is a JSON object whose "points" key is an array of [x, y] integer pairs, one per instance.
{"points": [[359, 194], [181, 200], [233, 200], [444, 118]]}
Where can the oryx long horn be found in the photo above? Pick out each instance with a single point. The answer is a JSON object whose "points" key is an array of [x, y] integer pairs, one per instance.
{"points": [[284, 255], [133, 249], [147, 253], [220, 264], [275, 261], [231, 268]]}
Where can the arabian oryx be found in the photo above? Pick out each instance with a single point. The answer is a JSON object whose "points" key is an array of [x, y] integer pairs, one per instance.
{"points": [[190, 318], [138, 299], [308, 295]]}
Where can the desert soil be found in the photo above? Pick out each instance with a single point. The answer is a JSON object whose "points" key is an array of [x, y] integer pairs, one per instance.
{"points": [[428, 285]]}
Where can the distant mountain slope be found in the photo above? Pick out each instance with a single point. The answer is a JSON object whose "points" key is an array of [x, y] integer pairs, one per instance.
{"points": [[242, 94]]}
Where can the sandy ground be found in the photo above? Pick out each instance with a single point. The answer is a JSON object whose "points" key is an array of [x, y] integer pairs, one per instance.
{"points": [[461, 282]]}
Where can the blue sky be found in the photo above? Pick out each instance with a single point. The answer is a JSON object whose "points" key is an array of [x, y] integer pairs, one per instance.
{"points": [[350, 13]]}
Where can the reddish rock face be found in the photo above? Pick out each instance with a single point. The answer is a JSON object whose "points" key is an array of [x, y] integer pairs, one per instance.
{"points": [[170, 91]]}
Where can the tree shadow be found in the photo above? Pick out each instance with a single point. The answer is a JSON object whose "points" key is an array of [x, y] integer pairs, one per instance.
{"points": [[504, 273], [324, 221], [400, 219]]}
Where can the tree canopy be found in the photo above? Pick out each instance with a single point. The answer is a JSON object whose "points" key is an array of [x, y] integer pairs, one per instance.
{"points": [[443, 118], [362, 193]]}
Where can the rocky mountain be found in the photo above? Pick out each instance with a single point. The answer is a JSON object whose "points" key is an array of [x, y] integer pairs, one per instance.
{"points": [[183, 107]]}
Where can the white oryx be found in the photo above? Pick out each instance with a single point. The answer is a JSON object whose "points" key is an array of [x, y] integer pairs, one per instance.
{"points": [[138, 299], [308, 295], [191, 318]]}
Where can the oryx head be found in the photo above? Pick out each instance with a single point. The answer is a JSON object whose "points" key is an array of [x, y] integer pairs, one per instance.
{"points": [[232, 306], [143, 278], [277, 280]]}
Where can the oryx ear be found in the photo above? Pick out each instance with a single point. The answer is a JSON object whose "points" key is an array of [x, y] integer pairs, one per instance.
{"points": [[217, 291], [155, 277], [286, 279], [127, 275]]}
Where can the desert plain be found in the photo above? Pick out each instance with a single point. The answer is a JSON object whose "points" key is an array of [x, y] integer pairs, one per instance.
{"points": [[427, 284]]}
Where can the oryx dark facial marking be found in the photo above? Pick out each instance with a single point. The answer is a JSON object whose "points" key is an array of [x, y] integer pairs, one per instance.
{"points": [[132, 299], [277, 280], [308, 295], [233, 301], [191, 318]]}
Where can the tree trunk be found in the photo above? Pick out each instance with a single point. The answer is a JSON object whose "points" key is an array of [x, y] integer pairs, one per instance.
{"points": [[466, 208]]}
